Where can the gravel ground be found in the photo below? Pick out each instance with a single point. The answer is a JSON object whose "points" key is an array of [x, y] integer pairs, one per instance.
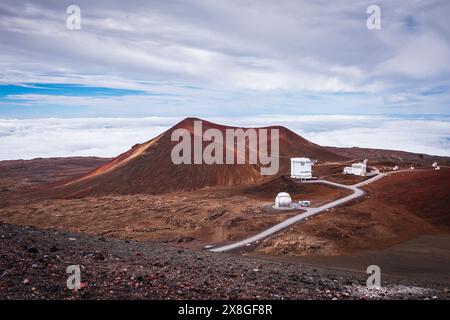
{"points": [[33, 266]]}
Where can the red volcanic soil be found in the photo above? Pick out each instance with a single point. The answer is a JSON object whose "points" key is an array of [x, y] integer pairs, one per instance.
{"points": [[18, 177], [396, 208], [15, 173], [390, 157], [423, 193], [148, 168]]}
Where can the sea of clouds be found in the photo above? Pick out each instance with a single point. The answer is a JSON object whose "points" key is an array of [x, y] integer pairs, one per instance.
{"points": [[108, 137]]}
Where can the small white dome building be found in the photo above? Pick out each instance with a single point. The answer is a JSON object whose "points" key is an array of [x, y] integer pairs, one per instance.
{"points": [[283, 200]]}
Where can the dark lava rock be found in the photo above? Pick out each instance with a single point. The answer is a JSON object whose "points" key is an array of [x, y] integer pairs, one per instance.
{"points": [[99, 256], [118, 269], [32, 250]]}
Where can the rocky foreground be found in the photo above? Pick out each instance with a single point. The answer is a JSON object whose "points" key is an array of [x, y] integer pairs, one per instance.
{"points": [[33, 266]]}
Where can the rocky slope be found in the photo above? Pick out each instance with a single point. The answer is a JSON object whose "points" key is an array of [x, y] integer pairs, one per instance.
{"points": [[33, 266]]}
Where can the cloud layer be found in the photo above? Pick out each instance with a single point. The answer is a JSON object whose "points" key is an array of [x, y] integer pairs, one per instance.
{"points": [[108, 137]]}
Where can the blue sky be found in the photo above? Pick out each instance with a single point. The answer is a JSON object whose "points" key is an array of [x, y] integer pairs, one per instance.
{"points": [[227, 59], [73, 100], [8, 90]]}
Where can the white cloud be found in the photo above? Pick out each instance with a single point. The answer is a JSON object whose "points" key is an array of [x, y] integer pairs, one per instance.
{"points": [[103, 137], [420, 136], [292, 45], [254, 54], [419, 56], [430, 136], [108, 137]]}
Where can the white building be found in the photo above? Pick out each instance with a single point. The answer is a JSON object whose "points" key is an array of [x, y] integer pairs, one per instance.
{"points": [[358, 169], [301, 168], [283, 200]]}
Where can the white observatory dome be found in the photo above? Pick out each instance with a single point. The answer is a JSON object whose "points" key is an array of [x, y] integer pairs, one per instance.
{"points": [[283, 200]]}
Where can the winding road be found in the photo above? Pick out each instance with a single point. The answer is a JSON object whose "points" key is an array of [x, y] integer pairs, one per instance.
{"points": [[357, 192]]}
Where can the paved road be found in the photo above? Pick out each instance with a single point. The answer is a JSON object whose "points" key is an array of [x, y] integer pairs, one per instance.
{"points": [[309, 212]]}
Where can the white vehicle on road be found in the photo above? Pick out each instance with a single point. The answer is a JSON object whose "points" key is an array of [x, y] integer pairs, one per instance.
{"points": [[304, 203]]}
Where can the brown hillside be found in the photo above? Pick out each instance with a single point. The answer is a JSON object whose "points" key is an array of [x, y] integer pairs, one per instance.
{"points": [[147, 167]]}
